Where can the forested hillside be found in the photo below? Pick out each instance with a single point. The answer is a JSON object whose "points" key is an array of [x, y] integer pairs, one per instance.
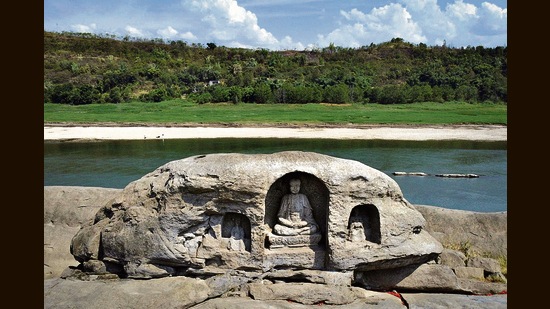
{"points": [[84, 68]]}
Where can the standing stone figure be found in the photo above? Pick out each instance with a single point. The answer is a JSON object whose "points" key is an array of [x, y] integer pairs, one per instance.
{"points": [[236, 241], [295, 216]]}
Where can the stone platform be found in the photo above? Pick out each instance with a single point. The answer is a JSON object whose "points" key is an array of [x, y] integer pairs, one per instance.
{"points": [[278, 241]]}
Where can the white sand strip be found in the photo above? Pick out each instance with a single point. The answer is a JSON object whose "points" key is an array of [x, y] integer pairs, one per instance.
{"points": [[413, 133]]}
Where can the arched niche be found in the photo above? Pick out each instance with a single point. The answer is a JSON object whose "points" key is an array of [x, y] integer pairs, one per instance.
{"points": [[236, 228], [312, 187], [368, 218]]}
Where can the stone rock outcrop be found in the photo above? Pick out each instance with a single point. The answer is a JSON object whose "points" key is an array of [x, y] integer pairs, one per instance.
{"points": [[479, 232], [182, 217], [175, 292], [66, 210], [430, 278], [64, 206]]}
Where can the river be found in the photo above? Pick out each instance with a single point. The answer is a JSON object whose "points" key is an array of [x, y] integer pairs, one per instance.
{"points": [[114, 164]]}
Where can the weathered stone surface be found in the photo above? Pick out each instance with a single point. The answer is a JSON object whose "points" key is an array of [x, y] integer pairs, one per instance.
{"points": [[183, 292], [308, 293], [388, 302], [92, 291], [471, 286], [229, 281], [85, 245], [66, 209], [278, 241], [74, 206], [452, 258], [496, 277], [417, 301], [174, 292], [312, 276], [182, 214], [481, 232], [101, 267], [424, 277], [487, 264], [469, 272], [147, 271]]}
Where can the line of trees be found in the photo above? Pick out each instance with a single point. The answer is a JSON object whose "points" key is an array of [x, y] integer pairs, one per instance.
{"points": [[86, 68]]}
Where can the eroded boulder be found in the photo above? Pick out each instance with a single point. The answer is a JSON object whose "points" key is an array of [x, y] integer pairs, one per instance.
{"points": [[215, 212]]}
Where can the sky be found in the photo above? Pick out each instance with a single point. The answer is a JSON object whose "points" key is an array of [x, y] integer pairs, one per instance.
{"points": [[287, 24]]}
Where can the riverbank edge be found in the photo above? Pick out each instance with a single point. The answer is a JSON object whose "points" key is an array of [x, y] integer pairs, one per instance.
{"points": [[132, 131], [263, 125]]}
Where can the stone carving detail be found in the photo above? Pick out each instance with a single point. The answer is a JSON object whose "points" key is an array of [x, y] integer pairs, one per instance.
{"points": [[236, 241], [236, 227], [214, 212], [296, 226], [295, 215], [364, 224], [356, 232]]}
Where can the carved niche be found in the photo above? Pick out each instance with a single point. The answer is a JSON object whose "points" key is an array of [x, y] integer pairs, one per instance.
{"points": [[318, 198], [364, 224], [236, 232]]}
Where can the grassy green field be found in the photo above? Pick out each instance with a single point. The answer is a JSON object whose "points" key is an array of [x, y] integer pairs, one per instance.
{"points": [[182, 111]]}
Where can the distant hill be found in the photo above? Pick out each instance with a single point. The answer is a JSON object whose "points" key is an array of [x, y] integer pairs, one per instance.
{"points": [[83, 68]]}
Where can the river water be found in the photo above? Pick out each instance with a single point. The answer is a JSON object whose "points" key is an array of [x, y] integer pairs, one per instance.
{"points": [[114, 164]]}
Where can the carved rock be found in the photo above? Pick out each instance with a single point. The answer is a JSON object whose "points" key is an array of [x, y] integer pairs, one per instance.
{"points": [[183, 216]]}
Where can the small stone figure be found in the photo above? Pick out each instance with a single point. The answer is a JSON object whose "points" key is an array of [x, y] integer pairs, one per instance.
{"points": [[236, 241], [356, 232], [295, 216]]}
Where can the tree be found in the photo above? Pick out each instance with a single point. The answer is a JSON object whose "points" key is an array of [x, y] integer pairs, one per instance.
{"points": [[392, 94], [157, 95], [115, 68], [262, 93], [336, 94], [220, 93]]}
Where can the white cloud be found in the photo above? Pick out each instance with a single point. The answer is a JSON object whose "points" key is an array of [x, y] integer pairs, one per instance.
{"points": [[492, 19], [133, 31], [434, 23], [84, 28], [460, 11], [354, 14], [257, 3], [167, 32], [380, 24], [236, 23], [486, 25], [188, 36], [228, 22], [171, 33], [421, 21], [288, 43], [417, 5]]}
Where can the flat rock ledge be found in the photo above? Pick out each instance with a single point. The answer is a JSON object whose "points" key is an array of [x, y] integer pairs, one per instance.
{"points": [[235, 291]]}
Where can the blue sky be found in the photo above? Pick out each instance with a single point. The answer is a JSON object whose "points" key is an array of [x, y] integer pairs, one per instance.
{"points": [[287, 24]]}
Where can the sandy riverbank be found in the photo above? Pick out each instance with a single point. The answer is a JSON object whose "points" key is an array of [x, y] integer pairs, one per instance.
{"points": [[412, 133]]}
